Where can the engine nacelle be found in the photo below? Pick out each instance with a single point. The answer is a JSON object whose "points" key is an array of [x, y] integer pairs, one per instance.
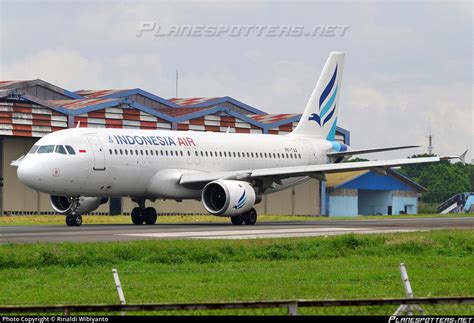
{"points": [[65, 204], [228, 197]]}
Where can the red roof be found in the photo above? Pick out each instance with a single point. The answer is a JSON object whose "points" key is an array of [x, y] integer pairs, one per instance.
{"points": [[190, 101]]}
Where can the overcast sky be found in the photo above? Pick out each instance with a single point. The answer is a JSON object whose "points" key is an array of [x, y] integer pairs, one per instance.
{"points": [[407, 65]]}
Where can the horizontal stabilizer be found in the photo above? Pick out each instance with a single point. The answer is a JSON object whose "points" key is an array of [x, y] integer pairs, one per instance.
{"points": [[367, 151]]}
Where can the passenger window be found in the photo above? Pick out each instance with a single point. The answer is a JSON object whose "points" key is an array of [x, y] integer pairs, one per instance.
{"points": [[202, 153], [115, 151], [60, 150], [196, 153], [151, 152], [110, 151], [141, 152], [146, 152], [70, 150], [211, 154], [220, 153], [238, 154], [166, 152], [234, 154], [121, 152], [33, 150], [181, 153], [46, 149], [131, 152], [161, 151]]}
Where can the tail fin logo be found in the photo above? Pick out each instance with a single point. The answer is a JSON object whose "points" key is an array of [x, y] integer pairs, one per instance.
{"points": [[326, 110]]}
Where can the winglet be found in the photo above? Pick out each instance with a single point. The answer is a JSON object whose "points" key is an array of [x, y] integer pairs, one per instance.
{"points": [[17, 162], [461, 157]]}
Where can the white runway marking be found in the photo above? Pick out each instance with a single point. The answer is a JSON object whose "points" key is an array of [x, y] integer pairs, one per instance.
{"points": [[255, 234]]}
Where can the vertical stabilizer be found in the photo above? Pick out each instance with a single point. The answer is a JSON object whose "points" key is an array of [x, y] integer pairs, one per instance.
{"points": [[320, 115]]}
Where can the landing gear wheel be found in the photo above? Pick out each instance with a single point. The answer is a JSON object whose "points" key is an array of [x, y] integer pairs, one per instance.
{"points": [[137, 216], [250, 217], [237, 219], [77, 220], [150, 215], [70, 220]]}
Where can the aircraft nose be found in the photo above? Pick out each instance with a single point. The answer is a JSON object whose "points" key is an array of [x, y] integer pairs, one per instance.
{"points": [[27, 173]]}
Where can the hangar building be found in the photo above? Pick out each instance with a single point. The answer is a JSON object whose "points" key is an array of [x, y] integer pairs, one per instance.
{"points": [[370, 193], [33, 108]]}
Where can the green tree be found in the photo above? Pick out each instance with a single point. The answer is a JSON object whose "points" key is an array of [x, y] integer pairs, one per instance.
{"points": [[443, 180], [414, 171]]}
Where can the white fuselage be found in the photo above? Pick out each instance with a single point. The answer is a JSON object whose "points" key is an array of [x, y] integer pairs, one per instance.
{"points": [[149, 163]]}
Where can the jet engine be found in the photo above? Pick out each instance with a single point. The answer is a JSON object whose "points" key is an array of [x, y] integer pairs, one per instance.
{"points": [[65, 204], [228, 197]]}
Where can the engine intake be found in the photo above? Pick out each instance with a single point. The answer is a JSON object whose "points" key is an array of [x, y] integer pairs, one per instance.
{"points": [[228, 197], [66, 204]]}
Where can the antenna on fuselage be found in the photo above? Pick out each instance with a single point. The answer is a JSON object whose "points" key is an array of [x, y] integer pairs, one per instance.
{"points": [[78, 124]]}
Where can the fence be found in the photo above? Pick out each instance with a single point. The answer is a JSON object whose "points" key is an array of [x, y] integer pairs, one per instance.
{"points": [[291, 305]]}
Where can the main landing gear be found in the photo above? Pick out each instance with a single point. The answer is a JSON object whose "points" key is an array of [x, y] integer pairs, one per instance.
{"points": [[250, 218], [73, 220], [141, 214]]}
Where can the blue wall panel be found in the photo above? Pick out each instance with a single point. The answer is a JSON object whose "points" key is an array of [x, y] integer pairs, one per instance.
{"points": [[375, 181], [343, 206], [399, 203]]}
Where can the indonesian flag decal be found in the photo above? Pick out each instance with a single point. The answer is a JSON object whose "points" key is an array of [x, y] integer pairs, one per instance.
{"points": [[82, 151]]}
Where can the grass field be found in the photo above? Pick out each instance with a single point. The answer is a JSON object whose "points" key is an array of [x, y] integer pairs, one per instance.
{"points": [[439, 263], [96, 219]]}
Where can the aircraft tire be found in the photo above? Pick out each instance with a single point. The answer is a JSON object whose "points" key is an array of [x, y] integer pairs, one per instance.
{"points": [[77, 219], [250, 217], [70, 220], [237, 219], [150, 216], [137, 216]]}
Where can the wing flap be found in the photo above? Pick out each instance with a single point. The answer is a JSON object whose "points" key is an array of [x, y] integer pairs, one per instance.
{"points": [[367, 151]]}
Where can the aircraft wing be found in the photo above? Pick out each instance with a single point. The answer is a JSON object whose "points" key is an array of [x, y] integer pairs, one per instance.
{"points": [[367, 151], [298, 171]]}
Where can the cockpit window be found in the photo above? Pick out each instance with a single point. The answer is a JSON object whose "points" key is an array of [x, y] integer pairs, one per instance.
{"points": [[60, 149], [45, 149], [70, 150], [33, 149]]}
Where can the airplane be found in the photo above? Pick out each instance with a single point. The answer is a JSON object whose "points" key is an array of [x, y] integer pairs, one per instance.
{"points": [[228, 172]]}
